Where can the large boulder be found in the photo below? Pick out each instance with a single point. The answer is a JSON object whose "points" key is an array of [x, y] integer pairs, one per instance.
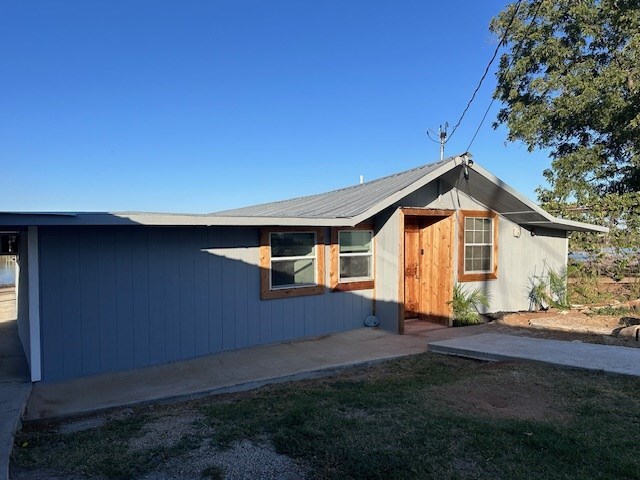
{"points": [[632, 332]]}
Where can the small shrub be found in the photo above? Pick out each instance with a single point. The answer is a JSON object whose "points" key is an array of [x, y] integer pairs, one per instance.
{"points": [[466, 305]]}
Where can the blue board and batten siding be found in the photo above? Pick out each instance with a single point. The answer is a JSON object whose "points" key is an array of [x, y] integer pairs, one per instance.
{"points": [[115, 298]]}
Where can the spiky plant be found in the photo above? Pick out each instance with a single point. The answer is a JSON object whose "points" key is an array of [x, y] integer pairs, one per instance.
{"points": [[466, 305], [549, 289], [558, 287]]}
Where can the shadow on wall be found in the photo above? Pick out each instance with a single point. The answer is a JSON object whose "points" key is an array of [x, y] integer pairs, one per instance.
{"points": [[114, 298]]}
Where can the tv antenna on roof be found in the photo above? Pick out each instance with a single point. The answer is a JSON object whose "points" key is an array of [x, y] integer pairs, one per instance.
{"points": [[442, 138]]}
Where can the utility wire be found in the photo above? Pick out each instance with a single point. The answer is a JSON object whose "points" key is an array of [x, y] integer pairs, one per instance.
{"points": [[515, 54], [486, 71]]}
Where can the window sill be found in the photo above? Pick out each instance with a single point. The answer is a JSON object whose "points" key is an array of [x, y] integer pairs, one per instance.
{"points": [[291, 292], [350, 286], [476, 277]]}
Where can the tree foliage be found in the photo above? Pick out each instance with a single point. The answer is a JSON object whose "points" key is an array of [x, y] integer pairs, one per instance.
{"points": [[570, 84]]}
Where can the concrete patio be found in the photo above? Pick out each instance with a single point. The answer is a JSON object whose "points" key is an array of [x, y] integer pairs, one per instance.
{"points": [[490, 346], [234, 370]]}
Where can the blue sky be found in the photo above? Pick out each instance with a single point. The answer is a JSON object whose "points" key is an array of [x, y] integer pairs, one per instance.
{"points": [[198, 106]]}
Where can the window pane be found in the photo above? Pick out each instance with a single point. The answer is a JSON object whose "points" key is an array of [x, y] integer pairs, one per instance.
{"points": [[468, 224], [355, 267], [485, 252], [486, 264], [292, 244], [477, 258], [468, 265], [356, 241], [293, 272]]}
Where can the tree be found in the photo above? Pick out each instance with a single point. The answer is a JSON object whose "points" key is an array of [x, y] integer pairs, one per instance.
{"points": [[570, 84]]}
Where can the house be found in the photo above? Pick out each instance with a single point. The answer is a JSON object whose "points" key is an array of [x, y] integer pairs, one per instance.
{"points": [[101, 292]]}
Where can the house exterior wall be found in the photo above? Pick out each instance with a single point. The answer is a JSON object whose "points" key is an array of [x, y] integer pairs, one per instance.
{"points": [[387, 273], [519, 258], [114, 298]]}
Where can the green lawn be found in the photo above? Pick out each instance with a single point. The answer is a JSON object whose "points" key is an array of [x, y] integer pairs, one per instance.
{"points": [[422, 417]]}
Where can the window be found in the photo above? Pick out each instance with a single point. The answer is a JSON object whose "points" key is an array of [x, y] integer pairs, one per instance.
{"points": [[291, 263], [478, 246], [352, 259], [293, 259], [355, 251]]}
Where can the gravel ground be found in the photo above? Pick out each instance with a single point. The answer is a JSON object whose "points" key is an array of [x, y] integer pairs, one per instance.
{"points": [[243, 461]]}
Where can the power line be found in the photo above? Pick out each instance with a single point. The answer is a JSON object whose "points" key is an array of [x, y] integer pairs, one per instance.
{"points": [[515, 54], [486, 70]]}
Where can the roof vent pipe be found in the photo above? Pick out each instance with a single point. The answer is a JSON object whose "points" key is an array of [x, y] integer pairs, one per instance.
{"points": [[361, 179]]}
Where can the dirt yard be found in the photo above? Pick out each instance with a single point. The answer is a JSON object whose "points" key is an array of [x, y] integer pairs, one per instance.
{"points": [[608, 324]]}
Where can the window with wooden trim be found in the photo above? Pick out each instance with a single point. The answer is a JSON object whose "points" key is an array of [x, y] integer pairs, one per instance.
{"points": [[478, 246], [352, 258], [291, 262]]}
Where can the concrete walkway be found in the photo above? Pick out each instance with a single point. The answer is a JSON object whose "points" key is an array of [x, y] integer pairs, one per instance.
{"points": [[15, 385], [232, 371], [490, 346]]}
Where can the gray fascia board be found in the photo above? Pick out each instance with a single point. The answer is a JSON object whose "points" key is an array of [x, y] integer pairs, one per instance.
{"points": [[396, 197], [560, 222], [160, 219], [207, 220]]}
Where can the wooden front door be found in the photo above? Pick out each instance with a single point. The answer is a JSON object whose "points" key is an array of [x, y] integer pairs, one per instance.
{"points": [[428, 267], [411, 269]]}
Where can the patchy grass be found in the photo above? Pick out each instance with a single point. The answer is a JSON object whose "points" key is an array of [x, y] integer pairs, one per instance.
{"points": [[103, 451], [613, 311], [421, 417]]}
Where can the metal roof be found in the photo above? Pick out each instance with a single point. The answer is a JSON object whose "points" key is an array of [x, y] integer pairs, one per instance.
{"points": [[343, 203], [344, 207]]}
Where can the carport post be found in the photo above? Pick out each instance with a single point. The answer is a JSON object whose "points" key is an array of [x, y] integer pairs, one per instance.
{"points": [[34, 303]]}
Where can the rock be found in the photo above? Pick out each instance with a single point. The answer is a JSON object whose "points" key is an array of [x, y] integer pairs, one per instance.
{"points": [[632, 333], [629, 321]]}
